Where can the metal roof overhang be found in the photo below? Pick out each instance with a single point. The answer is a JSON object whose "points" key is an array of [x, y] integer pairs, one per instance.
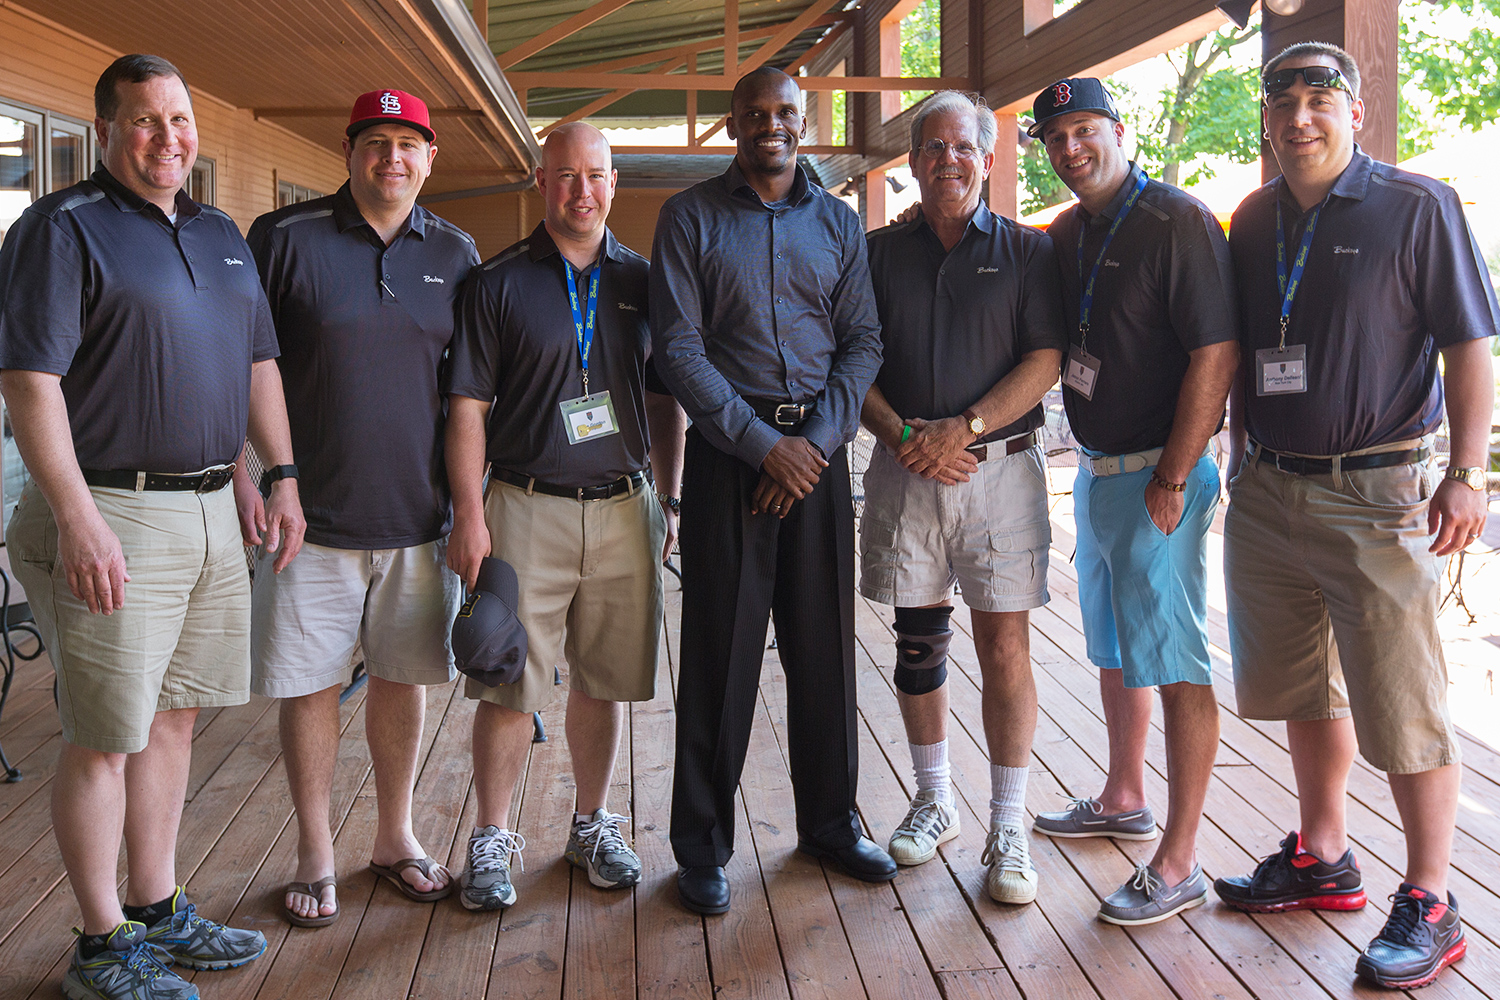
{"points": [[301, 64]]}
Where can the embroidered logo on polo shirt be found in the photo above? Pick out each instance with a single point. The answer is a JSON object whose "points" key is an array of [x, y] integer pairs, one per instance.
{"points": [[232, 261], [390, 104], [432, 280], [1111, 263], [1339, 249], [987, 270], [627, 305]]}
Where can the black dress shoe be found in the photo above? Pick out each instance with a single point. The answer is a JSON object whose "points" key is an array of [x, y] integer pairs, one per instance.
{"points": [[704, 889], [862, 859]]}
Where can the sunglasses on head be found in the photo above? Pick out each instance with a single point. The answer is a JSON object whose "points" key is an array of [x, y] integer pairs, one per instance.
{"points": [[1313, 76]]}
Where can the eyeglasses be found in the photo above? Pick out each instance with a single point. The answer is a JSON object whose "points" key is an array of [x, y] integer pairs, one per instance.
{"points": [[1314, 76], [933, 149]]}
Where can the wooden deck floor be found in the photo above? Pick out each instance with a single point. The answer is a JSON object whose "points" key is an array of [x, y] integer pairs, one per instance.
{"points": [[795, 931]]}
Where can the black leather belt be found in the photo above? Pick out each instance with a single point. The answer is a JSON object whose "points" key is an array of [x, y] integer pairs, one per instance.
{"points": [[625, 484], [781, 414], [207, 481], [1013, 446], [1298, 466]]}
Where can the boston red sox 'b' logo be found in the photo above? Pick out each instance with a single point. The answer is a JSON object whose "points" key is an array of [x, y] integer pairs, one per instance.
{"points": [[1061, 94]]}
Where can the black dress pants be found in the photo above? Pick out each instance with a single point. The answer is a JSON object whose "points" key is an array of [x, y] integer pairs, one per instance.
{"points": [[738, 568]]}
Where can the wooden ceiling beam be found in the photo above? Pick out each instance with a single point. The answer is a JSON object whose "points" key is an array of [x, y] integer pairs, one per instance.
{"points": [[793, 28], [342, 111], [817, 48], [664, 81], [599, 104], [722, 150], [731, 38], [706, 45], [597, 11]]}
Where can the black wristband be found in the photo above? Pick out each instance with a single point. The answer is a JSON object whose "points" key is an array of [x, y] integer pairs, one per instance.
{"points": [[275, 474]]}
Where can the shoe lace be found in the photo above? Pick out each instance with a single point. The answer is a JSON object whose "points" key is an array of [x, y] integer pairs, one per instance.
{"points": [[492, 853], [1007, 845], [1406, 913], [603, 834], [1078, 804], [922, 818], [1145, 881], [148, 960], [1270, 861]]}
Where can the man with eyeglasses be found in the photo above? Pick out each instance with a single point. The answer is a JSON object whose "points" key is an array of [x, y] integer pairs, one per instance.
{"points": [[956, 492], [1356, 277], [1149, 299]]}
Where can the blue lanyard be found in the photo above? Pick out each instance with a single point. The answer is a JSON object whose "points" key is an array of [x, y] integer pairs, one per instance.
{"points": [[1086, 303], [1289, 285], [584, 326]]}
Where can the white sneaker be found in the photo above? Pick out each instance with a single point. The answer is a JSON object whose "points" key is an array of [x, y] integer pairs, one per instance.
{"points": [[1011, 877], [929, 822]]}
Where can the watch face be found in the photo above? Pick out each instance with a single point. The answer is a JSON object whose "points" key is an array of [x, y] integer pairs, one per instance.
{"points": [[976, 424]]}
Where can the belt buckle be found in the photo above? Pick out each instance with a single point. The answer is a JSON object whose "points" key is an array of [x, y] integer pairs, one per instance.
{"points": [[783, 411], [216, 479]]}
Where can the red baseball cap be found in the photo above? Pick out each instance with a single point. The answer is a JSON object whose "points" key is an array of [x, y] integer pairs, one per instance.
{"points": [[390, 106]]}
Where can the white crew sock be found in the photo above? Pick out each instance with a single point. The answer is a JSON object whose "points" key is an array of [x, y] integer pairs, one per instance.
{"points": [[930, 763], [1007, 796]]}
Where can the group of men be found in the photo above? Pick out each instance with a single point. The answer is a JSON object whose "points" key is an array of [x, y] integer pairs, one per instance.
{"points": [[418, 411]]}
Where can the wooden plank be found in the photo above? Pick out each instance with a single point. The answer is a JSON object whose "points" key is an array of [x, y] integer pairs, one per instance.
{"points": [[977, 984], [215, 741], [556, 33], [682, 81]]}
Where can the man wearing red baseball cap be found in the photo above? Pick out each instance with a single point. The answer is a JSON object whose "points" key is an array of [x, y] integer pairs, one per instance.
{"points": [[362, 285]]}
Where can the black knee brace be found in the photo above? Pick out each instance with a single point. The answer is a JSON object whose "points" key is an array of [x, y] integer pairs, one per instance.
{"points": [[922, 638]]}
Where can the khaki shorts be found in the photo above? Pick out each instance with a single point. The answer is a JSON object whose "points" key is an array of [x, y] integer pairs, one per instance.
{"points": [[331, 608], [990, 536], [1333, 602], [591, 589], [182, 640]]}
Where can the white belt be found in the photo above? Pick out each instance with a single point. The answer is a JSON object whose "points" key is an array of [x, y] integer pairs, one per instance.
{"points": [[1114, 465]]}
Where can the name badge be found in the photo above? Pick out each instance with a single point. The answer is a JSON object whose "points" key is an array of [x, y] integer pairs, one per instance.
{"points": [[589, 417], [1081, 372], [1281, 370]]}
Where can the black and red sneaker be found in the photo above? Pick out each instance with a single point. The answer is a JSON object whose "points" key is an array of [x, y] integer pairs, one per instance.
{"points": [[1421, 937], [1293, 879]]}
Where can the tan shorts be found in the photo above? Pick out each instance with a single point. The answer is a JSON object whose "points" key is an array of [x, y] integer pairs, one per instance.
{"points": [[591, 589], [332, 608], [182, 640], [990, 536], [1333, 602]]}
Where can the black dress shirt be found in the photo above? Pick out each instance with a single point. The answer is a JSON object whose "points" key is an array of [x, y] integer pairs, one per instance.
{"points": [[769, 302]]}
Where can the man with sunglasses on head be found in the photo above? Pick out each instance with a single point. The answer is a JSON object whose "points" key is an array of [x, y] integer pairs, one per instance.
{"points": [[1146, 280], [956, 492], [1355, 277]]}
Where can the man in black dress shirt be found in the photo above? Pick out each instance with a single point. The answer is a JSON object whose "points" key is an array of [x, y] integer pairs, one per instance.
{"points": [[765, 329]]}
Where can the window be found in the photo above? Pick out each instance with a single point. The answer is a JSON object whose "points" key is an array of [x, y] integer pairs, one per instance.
{"points": [[200, 183], [39, 153], [288, 193], [910, 45]]}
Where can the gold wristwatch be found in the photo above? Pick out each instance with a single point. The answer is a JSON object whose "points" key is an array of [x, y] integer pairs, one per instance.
{"points": [[976, 423], [1474, 478]]}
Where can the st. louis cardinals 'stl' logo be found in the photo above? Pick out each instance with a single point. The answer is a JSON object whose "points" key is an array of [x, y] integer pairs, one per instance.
{"points": [[390, 104], [1061, 94]]}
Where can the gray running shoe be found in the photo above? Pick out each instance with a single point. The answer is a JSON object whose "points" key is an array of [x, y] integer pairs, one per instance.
{"points": [[200, 943], [485, 882], [129, 968], [1144, 900], [1085, 818], [1011, 877], [598, 847], [929, 822]]}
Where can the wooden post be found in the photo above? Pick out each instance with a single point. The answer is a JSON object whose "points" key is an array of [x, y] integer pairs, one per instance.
{"points": [[692, 102], [482, 18], [731, 38], [1367, 30], [1004, 192], [875, 215]]}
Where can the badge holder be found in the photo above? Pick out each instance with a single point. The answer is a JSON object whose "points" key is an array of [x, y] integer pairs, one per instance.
{"points": [[1081, 372], [1281, 370], [589, 417]]}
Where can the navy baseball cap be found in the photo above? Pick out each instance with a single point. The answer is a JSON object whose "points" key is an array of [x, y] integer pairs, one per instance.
{"points": [[1082, 93], [489, 641]]}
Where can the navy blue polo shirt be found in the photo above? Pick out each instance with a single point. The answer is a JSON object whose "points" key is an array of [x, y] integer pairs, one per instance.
{"points": [[1392, 277], [153, 325], [1165, 289], [763, 301], [363, 330], [953, 323], [516, 344]]}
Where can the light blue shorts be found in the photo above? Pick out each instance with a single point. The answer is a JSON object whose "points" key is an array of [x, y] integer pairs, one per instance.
{"points": [[1144, 594]]}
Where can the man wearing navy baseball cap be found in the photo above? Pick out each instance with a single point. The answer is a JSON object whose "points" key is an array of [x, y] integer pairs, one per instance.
{"points": [[1149, 302], [362, 286]]}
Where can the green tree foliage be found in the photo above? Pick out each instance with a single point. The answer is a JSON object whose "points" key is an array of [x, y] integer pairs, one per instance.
{"points": [[1213, 111], [1446, 82], [921, 47]]}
